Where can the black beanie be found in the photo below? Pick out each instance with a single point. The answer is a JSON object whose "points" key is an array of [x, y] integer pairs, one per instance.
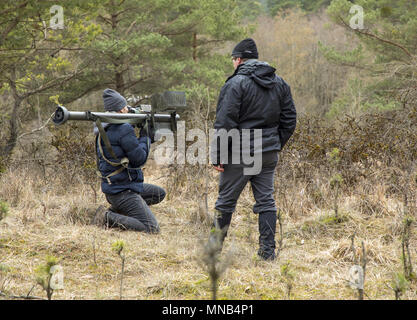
{"points": [[246, 49], [113, 101]]}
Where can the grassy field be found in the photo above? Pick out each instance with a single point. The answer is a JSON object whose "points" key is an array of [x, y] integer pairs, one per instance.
{"points": [[49, 216]]}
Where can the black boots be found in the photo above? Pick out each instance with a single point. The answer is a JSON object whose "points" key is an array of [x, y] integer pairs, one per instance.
{"points": [[267, 225], [100, 217]]}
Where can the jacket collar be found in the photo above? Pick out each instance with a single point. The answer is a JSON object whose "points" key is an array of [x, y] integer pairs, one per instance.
{"points": [[248, 64]]}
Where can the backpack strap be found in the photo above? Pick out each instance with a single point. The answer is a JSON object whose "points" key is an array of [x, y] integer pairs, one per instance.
{"points": [[103, 135], [123, 163]]}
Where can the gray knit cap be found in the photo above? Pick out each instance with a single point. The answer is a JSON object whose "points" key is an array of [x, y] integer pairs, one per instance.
{"points": [[113, 101]]}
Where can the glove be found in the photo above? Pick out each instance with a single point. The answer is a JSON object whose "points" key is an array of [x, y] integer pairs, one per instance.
{"points": [[147, 131]]}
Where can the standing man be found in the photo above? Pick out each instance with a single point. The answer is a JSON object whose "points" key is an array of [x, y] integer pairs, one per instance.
{"points": [[254, 98], [123, 184]]}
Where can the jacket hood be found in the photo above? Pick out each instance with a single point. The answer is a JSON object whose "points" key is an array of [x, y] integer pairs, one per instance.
{"points": [[261, 72]]}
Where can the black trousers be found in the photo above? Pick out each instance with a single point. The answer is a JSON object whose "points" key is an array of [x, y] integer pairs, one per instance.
{"points": [[232, 182], [130, 210]]}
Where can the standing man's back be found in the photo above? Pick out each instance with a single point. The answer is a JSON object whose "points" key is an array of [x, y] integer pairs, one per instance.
{"points": [[259, 102]]}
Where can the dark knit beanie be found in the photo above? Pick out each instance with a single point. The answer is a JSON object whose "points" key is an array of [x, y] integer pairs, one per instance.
{"points": [[113, 101], [246, 49]]}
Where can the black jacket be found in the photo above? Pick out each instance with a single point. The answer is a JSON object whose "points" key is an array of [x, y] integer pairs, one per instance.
{"points": [[254, 97]]}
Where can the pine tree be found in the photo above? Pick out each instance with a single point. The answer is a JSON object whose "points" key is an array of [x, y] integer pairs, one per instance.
{"points": [[152, 45], [386, 50], [274, 6], [132, 46], [37, 58]]}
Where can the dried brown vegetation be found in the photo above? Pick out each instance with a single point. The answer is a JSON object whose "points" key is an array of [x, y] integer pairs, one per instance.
{"points": [[49, 215]]}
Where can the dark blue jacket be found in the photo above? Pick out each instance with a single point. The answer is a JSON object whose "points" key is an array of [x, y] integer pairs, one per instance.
{"points": [[124, 143], [254, 97]]}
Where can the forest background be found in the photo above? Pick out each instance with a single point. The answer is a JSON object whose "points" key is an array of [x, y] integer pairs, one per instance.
{"points": [[345, 185]]}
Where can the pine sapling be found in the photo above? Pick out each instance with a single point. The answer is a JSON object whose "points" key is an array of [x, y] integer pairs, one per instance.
{"points": [[405, 246], [399, 285], [118, 247], [336, 180], [357, 272], [3, 276], [335, 183], [288, 276], [211, 260], [45, 276]]}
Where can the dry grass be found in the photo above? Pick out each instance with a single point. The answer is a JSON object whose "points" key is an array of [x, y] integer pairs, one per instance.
{"points": [[48, 217]]}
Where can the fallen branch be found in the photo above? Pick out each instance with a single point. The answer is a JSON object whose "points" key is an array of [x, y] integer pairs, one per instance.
{"points": [[20, 297]]}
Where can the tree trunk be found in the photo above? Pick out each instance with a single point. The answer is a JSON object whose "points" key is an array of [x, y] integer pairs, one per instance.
{"points": [[11, 142], [119, 82], [194, 46], [118, 77]]}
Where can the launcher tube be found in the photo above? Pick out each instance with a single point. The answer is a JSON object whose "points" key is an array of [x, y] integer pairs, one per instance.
{"points": [[62, 115]]}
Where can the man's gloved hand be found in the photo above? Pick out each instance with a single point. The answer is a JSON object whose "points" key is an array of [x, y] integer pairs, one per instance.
{"points": [[148, 131], [152, 134]]}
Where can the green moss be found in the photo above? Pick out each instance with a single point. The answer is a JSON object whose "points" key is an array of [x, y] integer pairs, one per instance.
{"points": [[324, 222], [92, 267], [4, 209], [332, 219], [4, 268]]}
